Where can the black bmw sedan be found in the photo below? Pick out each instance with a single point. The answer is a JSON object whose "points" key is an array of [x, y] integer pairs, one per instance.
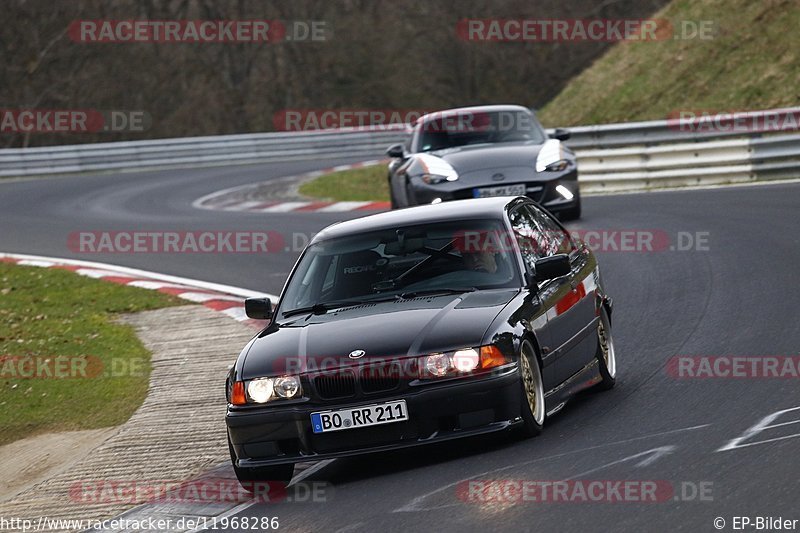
{"points": [[418, 326], [475, 152]]}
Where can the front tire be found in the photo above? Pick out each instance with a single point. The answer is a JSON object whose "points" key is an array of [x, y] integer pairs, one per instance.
{"points": [[533, 406], [606, 353], [410, 195], [392, 196]]}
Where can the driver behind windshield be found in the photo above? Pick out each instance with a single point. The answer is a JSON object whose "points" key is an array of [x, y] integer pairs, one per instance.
{"points": [[480, 261]]}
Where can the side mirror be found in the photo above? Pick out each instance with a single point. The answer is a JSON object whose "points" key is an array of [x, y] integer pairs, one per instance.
{"points": [[561, 134], [258, 308], [552, 267], [396, 150]]}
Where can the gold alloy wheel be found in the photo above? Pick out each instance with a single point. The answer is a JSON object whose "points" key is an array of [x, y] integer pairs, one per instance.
{"points": [[534, 389], [607, 346]]}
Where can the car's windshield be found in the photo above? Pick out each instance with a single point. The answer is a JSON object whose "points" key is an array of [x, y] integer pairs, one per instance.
{"points": [[403, 261], [478, 127]]}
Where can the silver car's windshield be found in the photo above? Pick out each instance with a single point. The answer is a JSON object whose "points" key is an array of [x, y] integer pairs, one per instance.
{"points": [[440, 132], [399, 262]]}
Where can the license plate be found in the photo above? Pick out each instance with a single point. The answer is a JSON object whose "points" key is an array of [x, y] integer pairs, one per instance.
{"points": [[504, 190], [359, 417]]}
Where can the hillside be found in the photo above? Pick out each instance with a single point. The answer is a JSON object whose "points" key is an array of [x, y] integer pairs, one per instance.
{"points": [[752, 62]]}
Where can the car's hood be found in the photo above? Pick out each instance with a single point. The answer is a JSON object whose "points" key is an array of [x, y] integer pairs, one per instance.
{"points": [[491, 156], [382, 330]]}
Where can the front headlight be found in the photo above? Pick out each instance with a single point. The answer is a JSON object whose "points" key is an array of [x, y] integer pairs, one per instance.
{"points": [[551, 157], [260, 390], [557, 166], [435, 169], [461, 362], [263, 390], [287, 386], [434, 179], [437, 364]]}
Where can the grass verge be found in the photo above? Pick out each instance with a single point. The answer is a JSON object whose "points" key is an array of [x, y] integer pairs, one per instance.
{"points": [[357, 185], [752, 61], [64, 362]]}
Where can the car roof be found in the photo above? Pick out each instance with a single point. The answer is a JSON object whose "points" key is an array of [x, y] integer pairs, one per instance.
{"points": [[474, 208], [472, 109]]}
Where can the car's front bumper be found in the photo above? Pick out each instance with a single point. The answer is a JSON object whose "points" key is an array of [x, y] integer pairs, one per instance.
{"points": [[539, 187], [275, 435]]}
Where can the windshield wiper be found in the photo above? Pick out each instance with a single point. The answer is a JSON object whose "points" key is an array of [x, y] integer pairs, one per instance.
{"points": [[317, 309], [323, 307], [440, 290], [433, 253]]}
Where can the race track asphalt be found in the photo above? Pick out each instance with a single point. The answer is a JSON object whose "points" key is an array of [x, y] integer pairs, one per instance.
{"points": [[734, 295]]}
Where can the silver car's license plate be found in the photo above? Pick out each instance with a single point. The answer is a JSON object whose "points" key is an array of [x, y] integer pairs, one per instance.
{"points": [[359, 417], [503, 190]]}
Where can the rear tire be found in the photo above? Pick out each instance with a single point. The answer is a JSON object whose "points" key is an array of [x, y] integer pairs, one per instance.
{"points": [[606, 353], [533, 406]]}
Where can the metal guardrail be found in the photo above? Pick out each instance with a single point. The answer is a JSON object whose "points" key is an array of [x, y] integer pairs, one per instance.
{"points": [[197, 151], [686, 164], [661, 153], [695, 128]]}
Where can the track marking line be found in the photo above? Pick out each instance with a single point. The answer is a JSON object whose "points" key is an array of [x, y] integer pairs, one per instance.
{"points": [[650, 457], [414, 505], [246, 505], [760, 426], [310, 470], [283, 207], [339, 207]]}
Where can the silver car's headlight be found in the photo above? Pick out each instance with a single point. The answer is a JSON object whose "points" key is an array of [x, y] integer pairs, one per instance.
{"points": [[433, 179]]}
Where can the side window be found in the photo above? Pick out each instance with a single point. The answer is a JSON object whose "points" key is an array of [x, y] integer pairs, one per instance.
{"points": [[330, 276], [553, 238], [313, 286], [527, 234]]}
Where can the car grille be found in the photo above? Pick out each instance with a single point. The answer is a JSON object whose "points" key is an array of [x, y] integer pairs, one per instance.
{"points": [[336, 385], [380, 378], [536, 193]]}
